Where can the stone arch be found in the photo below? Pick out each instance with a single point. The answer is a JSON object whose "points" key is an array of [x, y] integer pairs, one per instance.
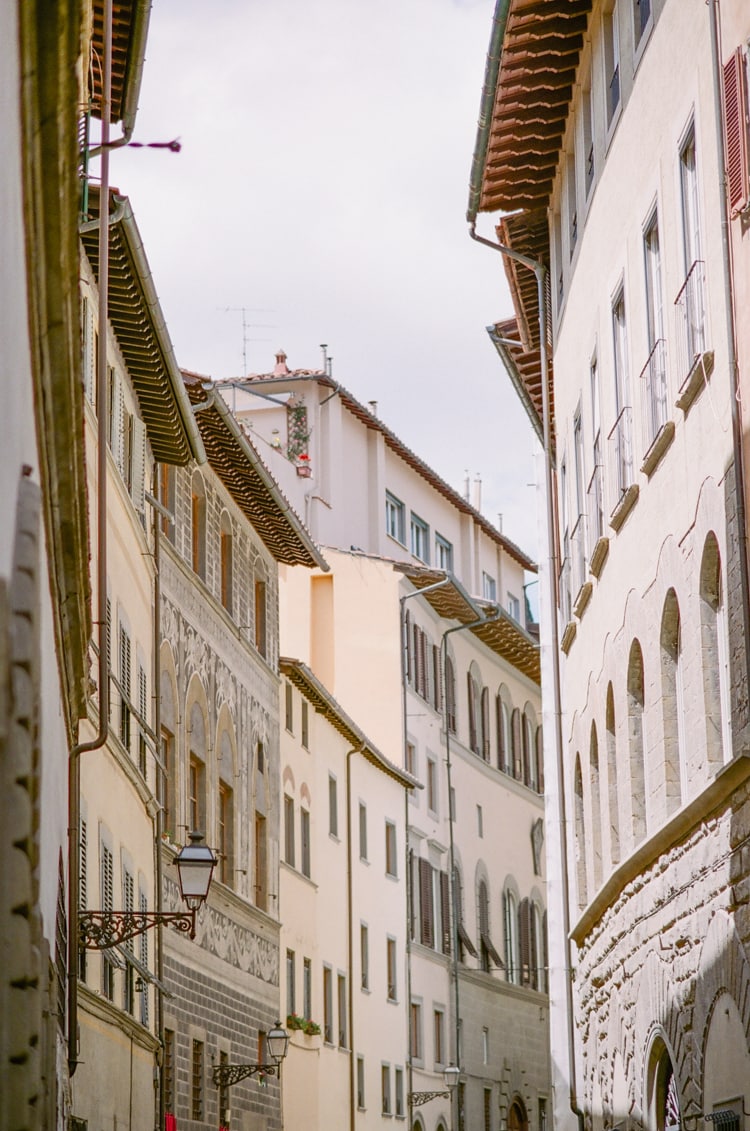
{"points": [[659, 1015], [723, 967], [663, 1102]]}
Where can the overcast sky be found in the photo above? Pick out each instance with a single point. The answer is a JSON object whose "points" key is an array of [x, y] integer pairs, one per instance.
{"points": [[322, 185]]}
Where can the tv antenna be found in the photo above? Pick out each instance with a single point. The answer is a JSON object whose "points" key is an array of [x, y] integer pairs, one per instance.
{"points": [[245, 310]]}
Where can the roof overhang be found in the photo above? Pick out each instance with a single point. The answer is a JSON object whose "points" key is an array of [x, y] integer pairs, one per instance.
{"points": [[130, 19], [248, 480], [141, 331], [531, 65], [314, 691]]}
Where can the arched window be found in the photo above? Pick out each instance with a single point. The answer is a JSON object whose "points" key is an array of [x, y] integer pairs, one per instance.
{"points": [[464, 943], [636, 737], [596, 807], [515, 743], [225, 812], [198, 513], [517, 1118], [226, 562], [530, 773], [450, 694], [167, 794], [673, 706], [485, 721], [504, 742], [715, 657], [662, 1096], [474, 693], [614, 815], [261, 614], [484, 924], [510, 924], [580, 841], [539, 751], [196, 738]]}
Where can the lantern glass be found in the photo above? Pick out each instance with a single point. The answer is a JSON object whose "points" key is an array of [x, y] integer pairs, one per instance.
{"points": [[278, 1042], [195, 866], [450, 1076]]}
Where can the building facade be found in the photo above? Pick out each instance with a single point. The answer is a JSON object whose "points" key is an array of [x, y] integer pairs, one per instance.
{"points": [[621, 197], [406, 551]]}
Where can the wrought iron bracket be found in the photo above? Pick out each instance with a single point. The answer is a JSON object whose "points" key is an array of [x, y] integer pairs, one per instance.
{"points": [[416, 1099], [224, 1075], [100, 930]]}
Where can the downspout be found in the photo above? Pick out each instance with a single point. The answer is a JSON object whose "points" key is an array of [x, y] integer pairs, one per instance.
{"points": [[404, 676], [160, 794], [74, 769], [451, 845], [540, 272], [730, 328], [350, 941]]}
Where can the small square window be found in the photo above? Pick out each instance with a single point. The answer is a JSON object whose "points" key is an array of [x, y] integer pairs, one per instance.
{"points": [[391, 861], [394, 518]]}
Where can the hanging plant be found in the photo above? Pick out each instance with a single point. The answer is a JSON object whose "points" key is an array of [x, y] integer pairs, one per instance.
{"points": [[298, 433]]}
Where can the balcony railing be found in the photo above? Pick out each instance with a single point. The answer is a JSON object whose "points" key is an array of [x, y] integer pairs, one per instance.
{"points": [[595, 507], [690, 306], [654, 393], [578, 554]]}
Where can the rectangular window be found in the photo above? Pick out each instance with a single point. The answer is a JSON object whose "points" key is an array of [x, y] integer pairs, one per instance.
{"points": [[291, 997], [225, 561], [361, 1083], [305, 726], [196, 1081], [289, 831], [480, 822], [488, 1109], [289, 707], [261, 840], [391, 862], [514, 607], [611, 62], [307, 988], [304, 822], [443, 553], [385, 1077], [411, 758], [399, 1075], [124, 676], [542, 1121], [489, 587], [432, 802], [106, 866], [333, 806], [226, 835], [391, 967], [439, 1036], [143, 713], [260, 617], [641, 15], [485, 1046], [362, 831], [328, 1005], [415, 1016], [572, 203], [588, 139], [364, 955], [420, 539], [394, 518], [224, 1108], [342, 1011]]}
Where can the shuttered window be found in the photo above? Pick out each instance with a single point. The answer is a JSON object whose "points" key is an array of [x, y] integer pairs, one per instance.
{"points": [[486, 724], [515, 732], [445, 912], [106, 880], [426, 904], [124, 688], [450, 694], [437, 678], [143, 955], [472, 699], [527, 943], [539, 744], [143, 712], [735, 131]]}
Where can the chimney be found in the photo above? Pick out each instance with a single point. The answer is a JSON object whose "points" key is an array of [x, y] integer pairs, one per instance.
{"points": [[280, 368], [476, 495], [467, 487], [373, 407]]}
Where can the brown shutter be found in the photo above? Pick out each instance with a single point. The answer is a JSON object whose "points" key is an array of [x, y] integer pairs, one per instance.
{"points": [[472, 713], [438, 669], [533, 950], [412, 896], [527, 754], [486, 724], [524, 938], [544, 980], [426, 909], [735, 131], [445, 911], [450, 694], [408, 664], [515, 728], [502, 753]]}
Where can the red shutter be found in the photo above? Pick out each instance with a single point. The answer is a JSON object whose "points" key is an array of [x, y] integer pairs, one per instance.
{"points": [[735, 131]]}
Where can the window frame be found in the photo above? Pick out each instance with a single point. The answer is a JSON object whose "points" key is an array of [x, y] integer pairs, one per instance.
{"points": [[419, 538], [395, 518]]}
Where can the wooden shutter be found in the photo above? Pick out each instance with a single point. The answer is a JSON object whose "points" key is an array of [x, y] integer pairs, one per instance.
{"points": [[486, 724], [138, 464], [544, 981], [412, 896], [429, 670], [107, 878], [426, 908], [450, 694], [472, 713], [540, 758], [445, 912], [524, 939], [408, 660], [438, 679], [83, 869], [502, 753], [525, 747], [533, 948], [515, 729], [735, 131], [418, 665]]}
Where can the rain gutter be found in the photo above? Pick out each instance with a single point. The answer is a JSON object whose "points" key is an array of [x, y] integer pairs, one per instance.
{"points": [[486, 106]]}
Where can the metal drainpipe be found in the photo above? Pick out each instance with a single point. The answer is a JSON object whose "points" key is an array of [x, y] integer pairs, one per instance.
{"points": [[729, 312], [540, 272], [161, 786], [350, 943], [404, 647], [451, 847], [74, 769]]}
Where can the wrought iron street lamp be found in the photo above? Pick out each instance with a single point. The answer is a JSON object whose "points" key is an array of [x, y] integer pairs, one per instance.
{"points": [[100, 930], [450, 1078], [277, 1041]]}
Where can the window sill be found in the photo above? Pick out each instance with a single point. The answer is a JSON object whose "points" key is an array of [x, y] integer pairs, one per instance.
{"points": [[700, 373], [623, 508], [568, 636], [659, 448], [599, 556], [584, 596]]}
